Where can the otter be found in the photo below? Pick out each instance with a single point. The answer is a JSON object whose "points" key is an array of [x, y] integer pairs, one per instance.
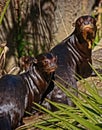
{"points": [[74, 56], [17, 92]]}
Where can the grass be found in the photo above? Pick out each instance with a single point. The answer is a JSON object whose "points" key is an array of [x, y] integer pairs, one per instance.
{"points": [[4, 11]]}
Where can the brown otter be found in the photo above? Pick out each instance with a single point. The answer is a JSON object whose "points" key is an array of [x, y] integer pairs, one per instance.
{"points": [[17, 92], [74, 56]]}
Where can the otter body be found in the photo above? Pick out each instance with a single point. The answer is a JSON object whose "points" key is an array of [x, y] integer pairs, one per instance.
{"points": [[17, 92], [74, 56]]}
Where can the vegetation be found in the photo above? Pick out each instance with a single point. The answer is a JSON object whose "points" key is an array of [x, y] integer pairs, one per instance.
{"points": [[4, 11]]}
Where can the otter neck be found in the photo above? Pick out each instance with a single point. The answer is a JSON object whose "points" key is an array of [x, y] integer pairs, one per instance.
{"points": [[79, 49], [35, 83], [84, 45]]}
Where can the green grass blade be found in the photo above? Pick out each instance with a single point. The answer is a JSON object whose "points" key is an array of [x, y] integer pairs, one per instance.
{"points": [[62, 119], [93, 104], [79, 103], [4, 11]]}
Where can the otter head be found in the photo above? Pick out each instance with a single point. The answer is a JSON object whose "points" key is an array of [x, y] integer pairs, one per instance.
{"points": [[86, 27], [47, 62]]}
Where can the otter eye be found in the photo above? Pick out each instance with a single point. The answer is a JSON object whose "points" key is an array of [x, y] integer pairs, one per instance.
{"points": [[79, 22], [92, 20], [55, 59], [89, 19]]}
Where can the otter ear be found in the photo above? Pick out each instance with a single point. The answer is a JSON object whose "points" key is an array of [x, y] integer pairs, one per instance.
{"points": [[56, 58], [35, 61], [96, 18], [73, 24]]}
